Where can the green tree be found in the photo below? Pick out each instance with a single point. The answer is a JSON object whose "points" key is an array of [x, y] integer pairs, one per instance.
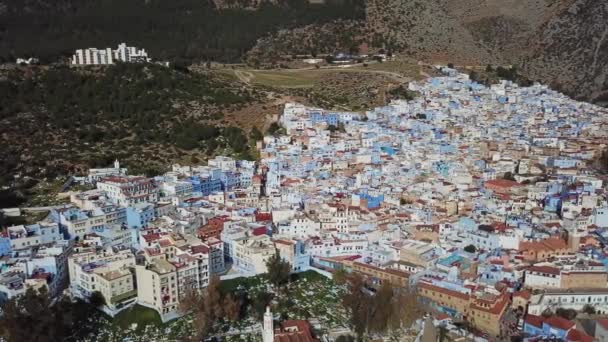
{"points": [[568, 314], [97, 299], [273, 129], [206, 306], [473, 75], [589, 309], [345, 338], [340, 276], [35, 317], [232, 307], [278, 270], [255, 134], [509, 176], [470, 249]]}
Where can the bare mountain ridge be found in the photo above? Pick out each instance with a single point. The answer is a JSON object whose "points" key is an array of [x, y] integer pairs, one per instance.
{"points": [[572, 50], [559, 42]]}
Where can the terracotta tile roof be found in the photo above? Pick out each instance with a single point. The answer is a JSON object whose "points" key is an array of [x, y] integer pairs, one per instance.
{"points": [[603, 322], [523, 294], [294, 331], [545, 269], [501, 183], [536, 321], [575, 335], [202, 249], [424, 285], [560, 323]]}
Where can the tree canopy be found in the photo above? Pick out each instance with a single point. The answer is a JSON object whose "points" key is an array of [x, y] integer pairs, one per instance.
{"points": [[388, 309], [33, 317], [278, 270], [177, 30], [211, 307]]}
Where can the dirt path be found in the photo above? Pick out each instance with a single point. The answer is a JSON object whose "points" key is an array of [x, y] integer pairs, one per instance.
{"points": [[243, 76]]}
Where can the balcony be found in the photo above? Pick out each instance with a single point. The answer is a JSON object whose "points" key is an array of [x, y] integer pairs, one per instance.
{"points": [[122, 297]]}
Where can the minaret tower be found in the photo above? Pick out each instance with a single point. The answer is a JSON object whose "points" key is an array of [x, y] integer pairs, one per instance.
{"points": [[268, 329]]}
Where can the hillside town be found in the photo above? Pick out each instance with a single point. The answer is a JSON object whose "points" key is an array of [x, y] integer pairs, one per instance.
{"points": [[483, 200]]}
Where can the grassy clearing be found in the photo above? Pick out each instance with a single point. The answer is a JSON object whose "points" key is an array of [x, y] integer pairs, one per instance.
{"points": [[287, 78], [137, 314], [402, 67], [45, 194]]}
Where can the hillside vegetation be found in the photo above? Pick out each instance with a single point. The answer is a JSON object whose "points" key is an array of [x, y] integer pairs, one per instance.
{"points": [[59, 120], [177, 30]]}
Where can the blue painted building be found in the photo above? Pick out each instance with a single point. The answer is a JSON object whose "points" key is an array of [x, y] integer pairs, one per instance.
{"points": [[5, 246], [372, 201], [139, 215], [552, 326]]}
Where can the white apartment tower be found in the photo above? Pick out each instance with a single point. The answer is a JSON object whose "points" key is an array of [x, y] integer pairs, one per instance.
{"points": [[123, 53]]}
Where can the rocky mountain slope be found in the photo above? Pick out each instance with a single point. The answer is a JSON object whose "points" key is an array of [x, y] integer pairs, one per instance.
{"points": [[571, 51], [560, 42]]}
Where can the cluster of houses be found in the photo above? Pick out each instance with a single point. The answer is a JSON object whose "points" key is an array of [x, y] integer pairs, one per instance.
{"points": [[482, 199]]}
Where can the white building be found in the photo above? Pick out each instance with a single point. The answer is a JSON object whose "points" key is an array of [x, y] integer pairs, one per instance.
{"points": [[106, 56], [109, 272], [299, 226], [127, 191], [33, 235], [575, 299], [251, 254]]}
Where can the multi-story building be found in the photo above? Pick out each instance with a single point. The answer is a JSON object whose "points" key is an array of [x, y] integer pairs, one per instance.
{"points": [[177, 188], [252, 253], [567, 276], [77, 223], [158, 286], [483, 307], [109, 272], [216, 255], [332, 246], [167, 273], [33, 235], [575, 299], [127, 191], [46, 262], [294, 252], [300, 227], [14, 284], [123, 53]]}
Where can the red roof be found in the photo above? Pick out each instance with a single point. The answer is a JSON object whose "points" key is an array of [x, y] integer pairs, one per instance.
{"points": [[258, 231], [202, 249], [603, 322], [501, 183], [41, 275], [560, 323], [544, 269], [294, 331], [523, 294], [536, 321], [575, 335], [263, 217], [151, 237]]}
